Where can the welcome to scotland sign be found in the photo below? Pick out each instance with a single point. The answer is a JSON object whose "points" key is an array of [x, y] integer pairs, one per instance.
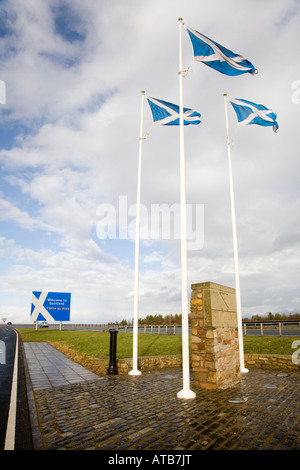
{"points": [[49, 306]]}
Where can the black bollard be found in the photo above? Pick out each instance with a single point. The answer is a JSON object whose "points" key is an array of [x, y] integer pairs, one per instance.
{"points": [[112, 367]]}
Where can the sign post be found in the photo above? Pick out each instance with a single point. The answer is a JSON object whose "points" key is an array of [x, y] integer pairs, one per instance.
{"points": [[49, 306]]}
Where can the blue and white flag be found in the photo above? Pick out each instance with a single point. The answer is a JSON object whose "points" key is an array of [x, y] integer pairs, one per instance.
{"points": [[168, 114], [218, 57], [252, 113], [50, 306]]}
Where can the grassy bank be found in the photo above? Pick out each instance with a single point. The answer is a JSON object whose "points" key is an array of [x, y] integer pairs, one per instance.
{"points": [[96, 344], [269, 345], [91, 348]]}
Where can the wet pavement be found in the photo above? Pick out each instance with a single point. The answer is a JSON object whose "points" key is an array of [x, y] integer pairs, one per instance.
{"points": [[74, 409]]}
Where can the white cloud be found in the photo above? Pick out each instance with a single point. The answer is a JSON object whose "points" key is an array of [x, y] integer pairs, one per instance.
{"points": [[73, 101]]}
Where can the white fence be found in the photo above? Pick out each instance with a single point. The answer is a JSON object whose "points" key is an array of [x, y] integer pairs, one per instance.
{"points": [[274, 328], [287, 328]]}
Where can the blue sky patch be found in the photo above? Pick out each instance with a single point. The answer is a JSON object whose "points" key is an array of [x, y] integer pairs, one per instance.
{"points": [[67, 24]]}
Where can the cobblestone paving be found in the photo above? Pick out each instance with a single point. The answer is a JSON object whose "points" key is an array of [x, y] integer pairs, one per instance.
{"points": [[144, 413]]}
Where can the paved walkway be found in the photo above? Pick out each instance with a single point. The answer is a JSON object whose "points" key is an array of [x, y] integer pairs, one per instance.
{"points": [[76, 409]]}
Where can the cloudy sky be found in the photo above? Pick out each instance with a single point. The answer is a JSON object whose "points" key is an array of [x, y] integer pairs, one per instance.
{"points": [[69, 140]]}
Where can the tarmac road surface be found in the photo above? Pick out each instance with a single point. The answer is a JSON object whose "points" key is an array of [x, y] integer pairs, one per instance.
{"points": [[15, 433]]}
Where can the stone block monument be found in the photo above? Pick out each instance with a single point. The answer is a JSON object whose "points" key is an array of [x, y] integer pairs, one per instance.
{"points": [[215, 348]]}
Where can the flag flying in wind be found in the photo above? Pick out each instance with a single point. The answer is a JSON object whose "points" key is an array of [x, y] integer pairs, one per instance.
{"points": [[218, 57], [252, 113], [168, 114]]}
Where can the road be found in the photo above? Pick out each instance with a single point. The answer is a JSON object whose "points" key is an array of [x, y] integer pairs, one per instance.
{"points": [[15, 432]]}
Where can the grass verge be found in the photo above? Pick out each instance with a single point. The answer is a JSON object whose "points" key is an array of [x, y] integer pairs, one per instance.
{"points": [[96, 343], [269, 344], [91, 348]]}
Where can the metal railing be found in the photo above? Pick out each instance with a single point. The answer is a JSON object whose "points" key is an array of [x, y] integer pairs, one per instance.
{"points": [[258, 328], [154, 329], [272, 328]]}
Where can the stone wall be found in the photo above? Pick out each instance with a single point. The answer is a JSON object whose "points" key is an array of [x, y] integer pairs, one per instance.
{"points": [[150, 362], [215, 350], [262, 361], [270, 361]]}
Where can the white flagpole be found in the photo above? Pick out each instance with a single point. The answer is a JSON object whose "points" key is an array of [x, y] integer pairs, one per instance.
{"points": [[185, 392], [135, 370], [235, 250]]}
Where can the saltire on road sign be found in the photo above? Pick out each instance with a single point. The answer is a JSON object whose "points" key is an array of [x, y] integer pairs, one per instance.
{"points": [[49, 306]]}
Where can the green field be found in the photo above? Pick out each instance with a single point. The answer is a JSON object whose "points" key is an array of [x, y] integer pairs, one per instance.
{"points": [[91, 348], [96, 344]]}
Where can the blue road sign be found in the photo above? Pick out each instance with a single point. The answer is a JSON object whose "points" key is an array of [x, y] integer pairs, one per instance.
{"points": [[49, 306]]}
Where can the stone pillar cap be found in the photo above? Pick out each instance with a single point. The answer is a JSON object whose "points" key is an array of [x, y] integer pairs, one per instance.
{"points": [[211, 285]]}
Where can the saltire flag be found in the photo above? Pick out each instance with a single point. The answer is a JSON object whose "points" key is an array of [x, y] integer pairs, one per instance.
{"points": [[168, 114], [218, 57], [2, 92], [248, 112], [50, 306]]}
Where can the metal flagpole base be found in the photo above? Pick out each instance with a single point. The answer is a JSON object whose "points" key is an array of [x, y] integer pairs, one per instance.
{"points": [[188, 394], [244, 370], [134, 372]]}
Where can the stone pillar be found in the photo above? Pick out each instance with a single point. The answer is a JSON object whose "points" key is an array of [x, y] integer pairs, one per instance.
{"points": [[215, 348]]}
